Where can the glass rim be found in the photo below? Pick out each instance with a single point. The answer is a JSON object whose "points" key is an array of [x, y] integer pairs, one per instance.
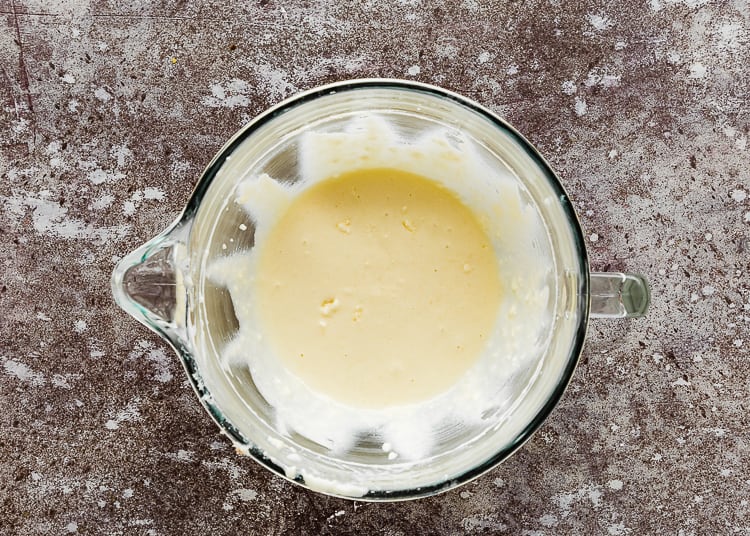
{"points": [[272, 113]]}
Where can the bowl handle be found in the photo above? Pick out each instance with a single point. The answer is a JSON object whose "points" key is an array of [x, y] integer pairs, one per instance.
{"points": [[618, 295]]}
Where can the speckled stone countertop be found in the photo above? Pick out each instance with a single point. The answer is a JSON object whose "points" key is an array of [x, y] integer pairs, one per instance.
{"points": [[110, 110]]}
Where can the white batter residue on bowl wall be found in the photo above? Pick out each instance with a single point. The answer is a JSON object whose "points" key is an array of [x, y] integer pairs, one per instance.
{"points": [[524, 263]]}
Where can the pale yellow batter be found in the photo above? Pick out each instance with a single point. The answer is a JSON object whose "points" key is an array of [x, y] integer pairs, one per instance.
{"points": [[377, 288]]}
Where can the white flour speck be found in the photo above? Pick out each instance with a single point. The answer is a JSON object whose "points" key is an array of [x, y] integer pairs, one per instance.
{"points": [[226, 464], [23, 372], [737, 343], [72, 527], [127, 493], [20, 126], [600, 22], [697, 70], [62, 381], [618, 529], [569, 87], [595, 495], [153, 193], [128, 413], [729, 34], [69, 78], [179, 168], [103, 202], [708, 290], [102, 94], [564, 501], [183, 455], [162, 364], [484, 57], [414, 70], [739, 195], [230, 94], [580, 107], [128, 208], [337, 513], [658, 5], [594, 237], [447, 51], [729, 131], [615, 484], [597, 77], [483, 522], [513, 69], [79, 326], [548, 520], [100, 176], [274, 82], [157, 357], [246, 495], [53, 151], [121, 153]]}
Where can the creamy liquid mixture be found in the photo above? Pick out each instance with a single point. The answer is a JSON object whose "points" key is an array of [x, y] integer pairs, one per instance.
{"points": [[378, 288], [399, 290]]}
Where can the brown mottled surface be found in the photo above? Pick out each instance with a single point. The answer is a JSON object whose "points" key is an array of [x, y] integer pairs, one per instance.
{"points": [[108, 113]]}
